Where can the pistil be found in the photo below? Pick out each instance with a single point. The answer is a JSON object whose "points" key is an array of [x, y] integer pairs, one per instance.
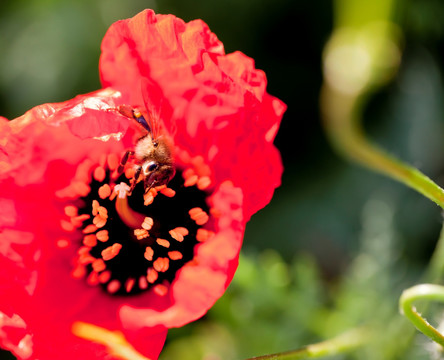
{"points": [[131, 218]]}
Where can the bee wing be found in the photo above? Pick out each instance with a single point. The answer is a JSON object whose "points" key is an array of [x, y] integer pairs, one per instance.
{"points": [[153, 106], [132, 113], [144, 121]]}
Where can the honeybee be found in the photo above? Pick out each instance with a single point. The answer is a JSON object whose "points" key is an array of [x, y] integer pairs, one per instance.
{"points": [[152, 153]]}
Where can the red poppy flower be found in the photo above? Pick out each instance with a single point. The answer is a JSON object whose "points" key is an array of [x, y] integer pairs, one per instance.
{"points": [[75, 247]]}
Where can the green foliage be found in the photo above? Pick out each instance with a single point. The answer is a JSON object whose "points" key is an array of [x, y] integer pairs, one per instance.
{"points": [[274, 306], [269, 307]]}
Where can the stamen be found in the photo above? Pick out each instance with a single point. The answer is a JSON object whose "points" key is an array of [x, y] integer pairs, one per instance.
{"points": [[95, 207], [182, 230], [99, 221], [83, 170], [103, 212], [160, 289], [79, 219], [143, 283], [202, 219], [175, 255], [178, 233], [203, 183], [130, 172], [141, 234], [147, 223], [78, 272], [195, 211], [102, 235], [203, 235], [99, 173], [160, 188], [168, 192], [113, 195], [80, 188], [113, 286], [71, 211], [215, 213], [191, 181], [104, 277], [83, 250], [149, 252], [63, 243], [102, 160], [98, 265], [188, 173], [90, 240], [111, 251], [93, 278], [104, 191], [199, 216], [152, 275], [89, 229], [129, 284], [67, 226], [161, 264], [149, 196], [86, 259], [200, 166], [113, 161], [163, 242]]}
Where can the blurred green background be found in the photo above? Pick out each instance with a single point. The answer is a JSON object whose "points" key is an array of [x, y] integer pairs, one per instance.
{"points": [[338, 243]]}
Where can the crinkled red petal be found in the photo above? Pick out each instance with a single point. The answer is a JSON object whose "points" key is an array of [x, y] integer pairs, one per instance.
{"points": [[221, 120], [219, 109], [41, 161], [41, 151]]}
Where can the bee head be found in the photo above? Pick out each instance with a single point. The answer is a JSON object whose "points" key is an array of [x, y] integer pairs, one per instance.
{"points": [[157, 174]]}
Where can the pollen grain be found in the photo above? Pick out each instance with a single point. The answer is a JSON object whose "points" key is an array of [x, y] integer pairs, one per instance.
{"points": [[152, 275], [161, 264], [141, 234], [104, 191], [161, 289], [163, 242], [149, 252]]}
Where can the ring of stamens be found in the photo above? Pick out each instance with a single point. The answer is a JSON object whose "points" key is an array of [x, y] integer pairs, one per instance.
{"points": [[135, 243]]}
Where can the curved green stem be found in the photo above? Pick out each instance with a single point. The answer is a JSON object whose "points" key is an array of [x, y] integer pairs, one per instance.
{"points": [[340, 344], [435, 268], [344, 130], [422, 292]]}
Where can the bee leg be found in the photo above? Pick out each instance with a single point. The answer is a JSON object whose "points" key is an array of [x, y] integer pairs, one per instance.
{"points": [[135, 178], [149, 186], [124, 161]]}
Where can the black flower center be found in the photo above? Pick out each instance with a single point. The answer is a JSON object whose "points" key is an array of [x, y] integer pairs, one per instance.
{"points": [[135, 243]]}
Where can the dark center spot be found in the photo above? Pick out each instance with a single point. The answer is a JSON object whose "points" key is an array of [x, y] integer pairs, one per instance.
{"points": [[168, 213]]}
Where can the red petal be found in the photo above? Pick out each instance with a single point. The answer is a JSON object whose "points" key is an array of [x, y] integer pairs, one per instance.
{"points": [[219, 115], [213, 104], [41, 152]]}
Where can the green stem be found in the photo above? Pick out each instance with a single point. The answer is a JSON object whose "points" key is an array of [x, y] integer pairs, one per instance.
{"points": [[344, 129], [422, 292], [340, 344], [435, 269]]}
